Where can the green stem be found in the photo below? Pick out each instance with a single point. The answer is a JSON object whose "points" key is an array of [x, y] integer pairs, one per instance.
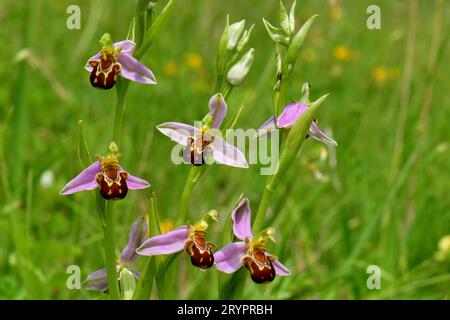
{"points": [[110, 254], [187, 192], [263, 206], [122, 88], [145, 284]]}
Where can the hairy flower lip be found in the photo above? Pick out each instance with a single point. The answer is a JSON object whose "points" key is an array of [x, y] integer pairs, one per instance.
{"points": [[130, 68], [230, 258], [188, 238]]}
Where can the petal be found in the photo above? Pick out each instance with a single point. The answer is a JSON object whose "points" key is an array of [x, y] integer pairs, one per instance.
{"points": [[316, 133], [127, 46], [267, 127], [88, 67], [166, 243], [135, 238], [269, 124], [229, 258], [178, 132], [242, 224], [227, 154], [136, 183], [97, 280], [280, 269], [84, 181], [134, 70], [136, 273], [218, 109], [290, 114]]}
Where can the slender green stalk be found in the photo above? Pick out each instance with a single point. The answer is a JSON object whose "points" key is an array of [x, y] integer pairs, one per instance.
{"points": [[145, 284], [263, 206], [405, 90], [110, 248], [187, 192], [122, 88]]}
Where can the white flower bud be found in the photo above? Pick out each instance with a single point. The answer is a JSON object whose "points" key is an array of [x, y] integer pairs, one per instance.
{"points": [[238, 72]]}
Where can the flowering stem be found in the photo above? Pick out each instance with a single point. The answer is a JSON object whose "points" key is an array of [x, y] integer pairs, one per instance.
{"points": [[187, 191], [122, 88], [291, 147], [110, 254], [145, 284], [263, 206]]}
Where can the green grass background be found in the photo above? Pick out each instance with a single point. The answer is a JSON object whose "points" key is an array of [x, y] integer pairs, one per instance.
{"points": [[369, 211]]}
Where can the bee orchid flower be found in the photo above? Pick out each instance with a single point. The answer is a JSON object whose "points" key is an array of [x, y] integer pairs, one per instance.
{"points": [[190, 238], [289, 117], [205, 142], [98, 280], [116, 59], [107, 175], [250, 252]]}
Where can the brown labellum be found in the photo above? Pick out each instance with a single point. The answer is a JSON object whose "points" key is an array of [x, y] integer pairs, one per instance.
{"points": [[112, 184], [260, 267], [104, 73], [200, 252]]}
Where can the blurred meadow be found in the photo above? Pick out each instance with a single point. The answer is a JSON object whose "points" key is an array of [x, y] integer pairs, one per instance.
{"points": [[379, 198]]}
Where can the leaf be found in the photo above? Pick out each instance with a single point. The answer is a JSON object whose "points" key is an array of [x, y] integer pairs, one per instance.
{"points": [[294, 48], [83, 150], [292, 17], [284, 19], [222, 49], [275, 33]]}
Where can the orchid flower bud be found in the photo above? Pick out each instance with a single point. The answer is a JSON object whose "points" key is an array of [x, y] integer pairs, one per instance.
{"points": [[235, 32], [275, 33], [294, 48], [244, 39], [238, 72]]}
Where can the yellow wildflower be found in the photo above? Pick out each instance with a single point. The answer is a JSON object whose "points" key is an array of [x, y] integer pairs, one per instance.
{"points": [[171, 69], [166, 225], [335, 10], [194, 61], [379, 74], [342, 53]]}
